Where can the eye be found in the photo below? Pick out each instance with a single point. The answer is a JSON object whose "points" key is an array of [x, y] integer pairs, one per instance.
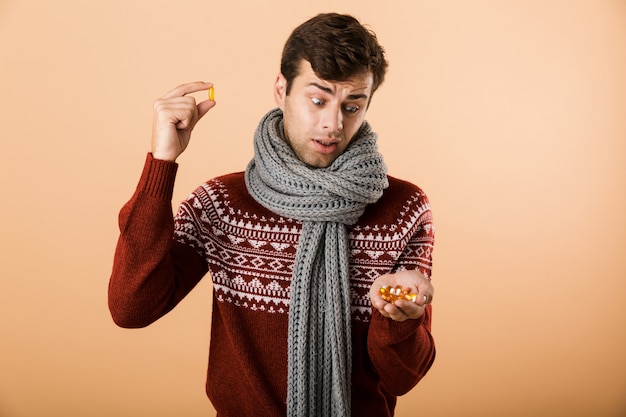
{"points": [[351, 109], [318, 101]]}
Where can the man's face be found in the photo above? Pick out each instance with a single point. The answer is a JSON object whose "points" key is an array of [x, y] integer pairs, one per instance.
{"points": [[321, 117]]}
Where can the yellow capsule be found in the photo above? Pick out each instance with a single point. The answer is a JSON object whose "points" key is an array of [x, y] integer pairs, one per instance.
{"points": [[385, 294], [391, 294], [211, 93]]}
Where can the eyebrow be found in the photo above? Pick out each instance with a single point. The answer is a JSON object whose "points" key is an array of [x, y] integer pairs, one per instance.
{"points": [[330, 91]]}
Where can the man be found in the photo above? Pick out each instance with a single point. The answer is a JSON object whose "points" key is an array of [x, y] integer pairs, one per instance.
{"points": [[298, 246]]}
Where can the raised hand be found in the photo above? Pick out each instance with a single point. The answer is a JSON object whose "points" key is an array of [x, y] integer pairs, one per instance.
{"points": [[175, 115]]}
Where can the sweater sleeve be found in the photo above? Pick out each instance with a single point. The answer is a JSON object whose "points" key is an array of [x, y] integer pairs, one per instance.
{"points": [[151, 271], [403, 352]]}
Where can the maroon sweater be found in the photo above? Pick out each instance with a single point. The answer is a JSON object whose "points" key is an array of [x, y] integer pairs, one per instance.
{"points": [[249, 253]]}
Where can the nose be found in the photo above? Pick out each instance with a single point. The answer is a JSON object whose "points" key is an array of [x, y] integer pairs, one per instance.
{"points": [[332, 119]]}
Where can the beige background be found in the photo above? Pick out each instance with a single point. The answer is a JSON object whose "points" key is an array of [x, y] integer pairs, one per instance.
{"points": [[510, 114]]}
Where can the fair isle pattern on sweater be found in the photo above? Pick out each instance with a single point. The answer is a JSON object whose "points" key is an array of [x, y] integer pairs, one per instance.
{"points": [[251, 251]]}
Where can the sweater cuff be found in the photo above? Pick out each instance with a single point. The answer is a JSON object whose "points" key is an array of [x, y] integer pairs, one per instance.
{"points": [[390, 332], [157, 178]]}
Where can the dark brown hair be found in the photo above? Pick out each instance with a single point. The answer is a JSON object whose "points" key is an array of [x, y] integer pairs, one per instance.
{"points": [[338, 48]]}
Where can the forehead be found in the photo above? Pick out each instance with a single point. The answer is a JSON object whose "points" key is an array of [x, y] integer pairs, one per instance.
{"points": [[361, 81]]}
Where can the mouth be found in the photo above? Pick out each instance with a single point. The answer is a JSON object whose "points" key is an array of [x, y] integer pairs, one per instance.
{"points": [[325, 146], [326, 142]]}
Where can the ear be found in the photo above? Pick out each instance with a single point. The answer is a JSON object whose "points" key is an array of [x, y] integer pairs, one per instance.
{"points": [[280, 90]]}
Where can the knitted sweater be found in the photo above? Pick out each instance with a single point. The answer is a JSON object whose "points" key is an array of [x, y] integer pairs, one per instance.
{"points": [[249, 253]]}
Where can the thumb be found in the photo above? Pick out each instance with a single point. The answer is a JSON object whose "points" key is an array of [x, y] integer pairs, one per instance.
{"points": [[204, 106]]}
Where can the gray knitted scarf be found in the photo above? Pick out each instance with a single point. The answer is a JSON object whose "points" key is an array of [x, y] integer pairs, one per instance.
{"points": [[326, 200]]}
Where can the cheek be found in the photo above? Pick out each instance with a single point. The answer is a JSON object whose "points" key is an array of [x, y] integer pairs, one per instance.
{"points": [[351, 126], [296, 113], [303, 121]]}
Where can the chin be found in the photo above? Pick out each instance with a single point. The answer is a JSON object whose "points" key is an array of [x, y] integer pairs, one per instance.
{"points": [[317, 164]]}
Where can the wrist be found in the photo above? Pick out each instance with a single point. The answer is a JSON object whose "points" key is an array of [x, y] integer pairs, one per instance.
{"points": [[164, 156]]}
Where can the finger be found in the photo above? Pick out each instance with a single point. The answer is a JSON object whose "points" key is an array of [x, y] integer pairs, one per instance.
{"points": [[384, 313], [425, 292], [422, 299], [395, 313], [377, 301], [410, 308], [204, 106], [184, 118], [166, 106], [188, 88], [181, 111], [425, 296]]}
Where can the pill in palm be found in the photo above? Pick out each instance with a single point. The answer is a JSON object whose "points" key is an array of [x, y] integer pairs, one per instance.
{"points": [[391, 294]]}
